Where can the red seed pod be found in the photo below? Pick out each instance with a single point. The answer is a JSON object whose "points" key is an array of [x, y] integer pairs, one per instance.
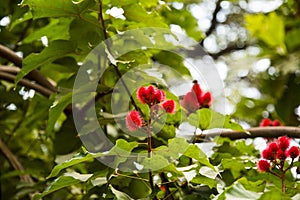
{"points": [[265, 122], [293, 152], [263, 165], [283, 143], [273, 146], [134, 121], [190, 102], [206, 100], [276, 122], [281, 155], [169, 106], [197, 90], [267, 154]]}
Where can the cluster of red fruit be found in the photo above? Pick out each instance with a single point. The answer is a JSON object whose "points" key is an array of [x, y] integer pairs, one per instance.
{"points": [[155, 99], [276, 153], [268, 122], [196, 99]]}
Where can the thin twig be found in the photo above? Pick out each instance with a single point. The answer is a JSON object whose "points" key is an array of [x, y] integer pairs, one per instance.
{"points": [[14, 162], [214, 21]]}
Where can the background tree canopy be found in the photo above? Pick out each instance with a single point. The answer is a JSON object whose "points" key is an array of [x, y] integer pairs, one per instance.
{"points": [[46, 46]]}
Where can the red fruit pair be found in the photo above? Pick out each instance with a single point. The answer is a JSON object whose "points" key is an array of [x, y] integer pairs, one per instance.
{"points": [[196, 99], [269, 122]]}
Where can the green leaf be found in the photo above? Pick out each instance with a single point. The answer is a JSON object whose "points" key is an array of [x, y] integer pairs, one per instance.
{"points": [[256, 186], [206, 118], [274, 194], [237, 191], [59, 183], [201, 119], [57, 49], [73, 161], [176, 146], [55, 30], [121, 151], [211, 183], [57, 109], [133, 186], [58, 8], [236, 166], [196, 153], [139, 189], [135, 12], [156, 162]]}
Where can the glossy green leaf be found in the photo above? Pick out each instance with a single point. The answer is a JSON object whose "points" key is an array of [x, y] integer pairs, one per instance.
{"points": [[237, 191], [134, 187], [73, 161], [121, 151], [201, 119], [156, 162], [58, 49], [55, 30], [176, 146], [274, 194], [211, 183], [196, 153], [257, 186], [59, 183], [135, 12]]}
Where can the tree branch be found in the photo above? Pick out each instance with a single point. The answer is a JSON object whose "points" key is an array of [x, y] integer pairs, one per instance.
{"points": [[214, 21], [266, 132], [33, 75], [39, 88], [14, 162]]}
